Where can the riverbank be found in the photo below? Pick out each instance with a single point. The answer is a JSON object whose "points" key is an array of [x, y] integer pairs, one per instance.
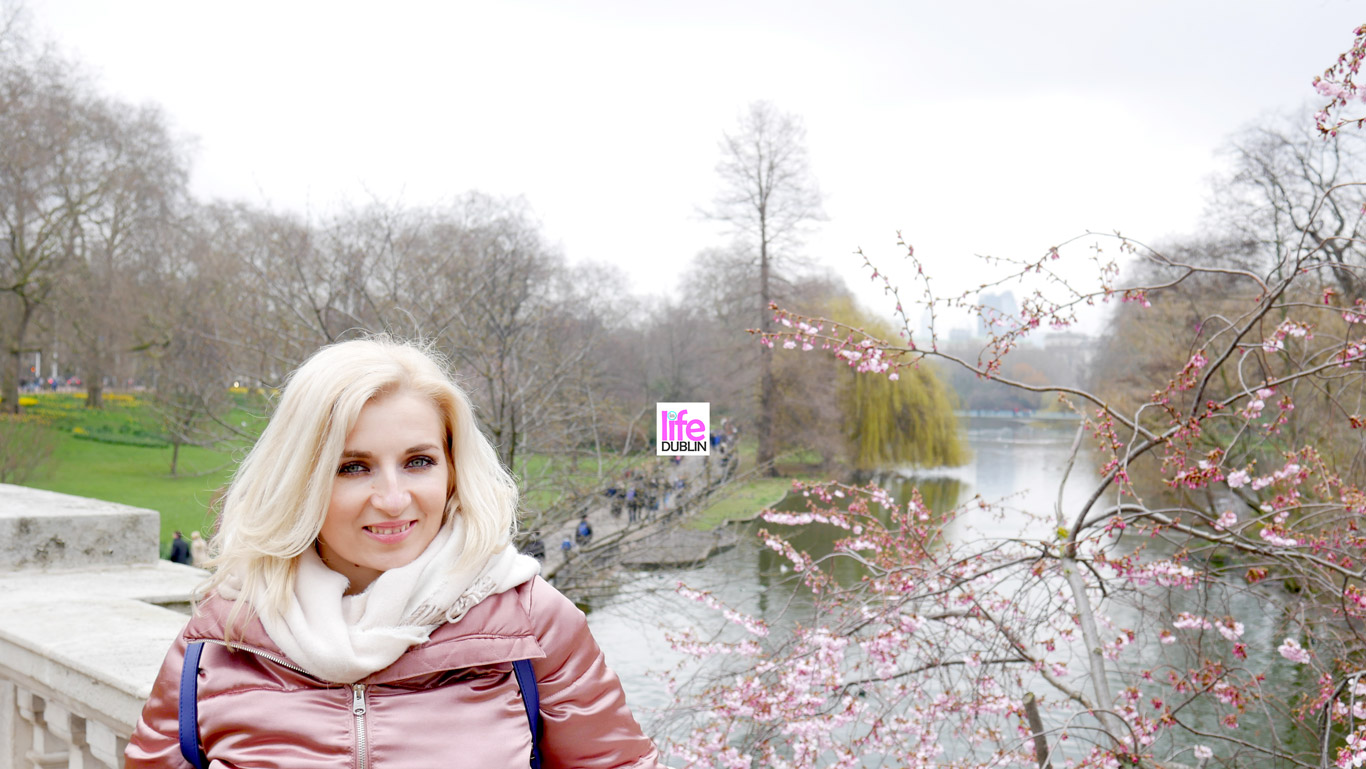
{"points": [[741, 500], [689, 524], [749, 494]]}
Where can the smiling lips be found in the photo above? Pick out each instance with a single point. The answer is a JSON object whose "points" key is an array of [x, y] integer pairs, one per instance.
{"points": [[389, 533]]}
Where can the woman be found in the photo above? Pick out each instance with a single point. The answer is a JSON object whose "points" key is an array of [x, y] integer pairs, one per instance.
{"points": [[367, 604]]}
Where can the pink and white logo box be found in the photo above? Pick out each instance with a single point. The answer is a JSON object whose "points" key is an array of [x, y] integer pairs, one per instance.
{"points": [[683, 429]]}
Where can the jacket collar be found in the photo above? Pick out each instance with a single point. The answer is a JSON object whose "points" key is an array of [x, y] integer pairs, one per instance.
{"points": [[496, 631]]}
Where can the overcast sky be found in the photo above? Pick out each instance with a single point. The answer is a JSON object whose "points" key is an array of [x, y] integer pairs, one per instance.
{"points": [[974, 127]]}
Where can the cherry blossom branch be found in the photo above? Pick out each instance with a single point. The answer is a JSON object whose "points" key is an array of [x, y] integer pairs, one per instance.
{"points": [[1338, 83]]}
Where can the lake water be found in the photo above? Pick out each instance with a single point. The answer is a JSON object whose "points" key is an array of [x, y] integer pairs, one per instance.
{"points": [[1016, 466], [1020, 465]]}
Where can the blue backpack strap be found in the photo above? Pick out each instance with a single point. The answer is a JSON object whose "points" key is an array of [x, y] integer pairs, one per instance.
{"points": [[531, 700], [189, 707]]}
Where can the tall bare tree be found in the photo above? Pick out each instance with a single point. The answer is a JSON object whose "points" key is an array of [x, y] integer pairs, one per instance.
{"points": [[195, 338], [768, 197]]}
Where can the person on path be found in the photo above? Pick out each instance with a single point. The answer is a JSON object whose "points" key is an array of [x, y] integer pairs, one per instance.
{"points": [[536, 547], [180, 550], [199, 550], [584, 533], [369, 608]]}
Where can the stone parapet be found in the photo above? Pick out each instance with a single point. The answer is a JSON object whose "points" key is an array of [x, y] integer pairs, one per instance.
{"points": [[46, 530], [83, 626]]}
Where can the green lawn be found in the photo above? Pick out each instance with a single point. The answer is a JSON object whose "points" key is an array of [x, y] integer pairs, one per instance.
{"points": [[139, 476], [119, 454]]}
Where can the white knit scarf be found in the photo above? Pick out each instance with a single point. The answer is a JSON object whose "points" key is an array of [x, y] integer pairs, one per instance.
{"points": [[344, 638]]}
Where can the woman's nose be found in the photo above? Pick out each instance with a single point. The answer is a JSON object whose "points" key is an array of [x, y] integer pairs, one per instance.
{"points": [[389, 495]]}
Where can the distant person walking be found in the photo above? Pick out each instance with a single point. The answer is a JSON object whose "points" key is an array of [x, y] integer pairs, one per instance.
{"points": [[536, 547], [584, 534], [199, 550], [180, 549]]}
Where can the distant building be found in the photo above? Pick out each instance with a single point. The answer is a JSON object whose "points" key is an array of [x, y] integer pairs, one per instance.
{"points": [[997, 312]]}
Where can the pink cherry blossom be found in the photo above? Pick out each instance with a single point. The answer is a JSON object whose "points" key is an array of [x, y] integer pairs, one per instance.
{"points": [[1291, 650]]}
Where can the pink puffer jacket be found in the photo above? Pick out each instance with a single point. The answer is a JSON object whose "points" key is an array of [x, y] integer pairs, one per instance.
{"points": [[450, 702]]}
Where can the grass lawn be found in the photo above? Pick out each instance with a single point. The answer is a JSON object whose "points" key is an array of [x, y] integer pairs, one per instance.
{"points": [[118, 453], [138, 476]]}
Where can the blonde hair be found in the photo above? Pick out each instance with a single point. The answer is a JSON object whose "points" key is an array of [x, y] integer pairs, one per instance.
{"points": [[275, 506]]}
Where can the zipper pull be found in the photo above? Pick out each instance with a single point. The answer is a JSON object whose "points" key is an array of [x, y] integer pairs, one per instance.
{"points": [[358, 699]]}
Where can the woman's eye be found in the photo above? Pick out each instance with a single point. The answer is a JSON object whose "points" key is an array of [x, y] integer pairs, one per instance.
{"points": [[422, 461], [351, 468]]}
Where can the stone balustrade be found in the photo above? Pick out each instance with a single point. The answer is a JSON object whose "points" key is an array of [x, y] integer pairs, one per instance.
{"points": [[84, 625]]}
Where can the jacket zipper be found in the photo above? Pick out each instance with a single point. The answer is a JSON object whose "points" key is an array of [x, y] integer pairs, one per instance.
{"points": [[281, 661], [357, 698], [358, 708]]}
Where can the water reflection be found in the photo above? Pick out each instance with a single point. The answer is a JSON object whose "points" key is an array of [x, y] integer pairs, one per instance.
{"points": [[939, 491]]}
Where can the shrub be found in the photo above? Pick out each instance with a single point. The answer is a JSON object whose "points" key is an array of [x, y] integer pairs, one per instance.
{"points": [[25, 446]]}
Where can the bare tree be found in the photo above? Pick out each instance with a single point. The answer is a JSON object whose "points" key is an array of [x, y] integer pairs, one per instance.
{"points": [[527, 329], [195, 338], [78, 173], [475, 277], [1286, 192], [114, 246], [44, 187], [768, 196]]}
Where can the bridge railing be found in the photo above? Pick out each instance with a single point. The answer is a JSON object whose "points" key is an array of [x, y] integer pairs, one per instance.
{"points": [[84, 625]]}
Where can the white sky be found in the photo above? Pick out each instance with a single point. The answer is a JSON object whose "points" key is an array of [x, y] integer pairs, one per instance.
{"points": [[996, 127]]}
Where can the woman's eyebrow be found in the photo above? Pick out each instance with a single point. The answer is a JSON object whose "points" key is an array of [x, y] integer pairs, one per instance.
{"points": [[359, 454]]}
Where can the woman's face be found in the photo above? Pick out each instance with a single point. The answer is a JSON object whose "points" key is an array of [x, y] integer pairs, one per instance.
{"points": [[389, 492]]}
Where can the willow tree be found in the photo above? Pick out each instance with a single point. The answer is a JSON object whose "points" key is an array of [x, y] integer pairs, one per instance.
{"points": [[909, 420], [867, 422], [903, 419]]}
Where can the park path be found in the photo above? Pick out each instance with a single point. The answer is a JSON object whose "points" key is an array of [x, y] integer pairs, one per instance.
{"points": [[654, 539]]}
